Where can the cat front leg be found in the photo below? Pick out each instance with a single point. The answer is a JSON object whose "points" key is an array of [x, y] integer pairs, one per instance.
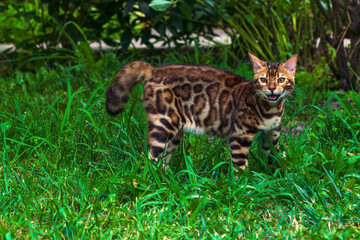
{"points": [[239, 148], [273, 136]]}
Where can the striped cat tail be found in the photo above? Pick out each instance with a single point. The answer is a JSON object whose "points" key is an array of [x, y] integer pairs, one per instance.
{"points": [[125, 80]]}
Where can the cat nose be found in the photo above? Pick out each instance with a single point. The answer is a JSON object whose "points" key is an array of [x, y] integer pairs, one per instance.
{"points": [[272, 88]]}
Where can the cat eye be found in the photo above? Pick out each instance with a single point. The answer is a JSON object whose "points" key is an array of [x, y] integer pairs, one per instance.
{"points": [[263, 80], [281, 80]]}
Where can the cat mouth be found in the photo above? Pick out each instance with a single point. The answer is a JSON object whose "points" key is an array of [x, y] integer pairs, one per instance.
{"points": [[273, 97]]}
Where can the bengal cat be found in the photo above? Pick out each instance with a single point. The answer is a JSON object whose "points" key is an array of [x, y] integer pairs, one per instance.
{"points": [[206, 100]]}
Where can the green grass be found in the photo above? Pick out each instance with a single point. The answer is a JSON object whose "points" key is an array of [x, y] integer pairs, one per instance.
{"points": [[70, 171]]}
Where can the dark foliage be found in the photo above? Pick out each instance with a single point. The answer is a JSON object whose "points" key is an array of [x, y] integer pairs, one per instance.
{"points": [[69, 22], [314, 29], [337, 20]]}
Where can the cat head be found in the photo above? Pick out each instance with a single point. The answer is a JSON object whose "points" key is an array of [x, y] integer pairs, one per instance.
{"points": [[274, 81]]}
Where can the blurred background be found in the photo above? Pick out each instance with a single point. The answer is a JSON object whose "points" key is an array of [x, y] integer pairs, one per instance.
{"points": [[325, 33]]}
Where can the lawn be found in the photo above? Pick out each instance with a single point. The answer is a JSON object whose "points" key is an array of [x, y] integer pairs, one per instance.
{"points": [[70, 171]]}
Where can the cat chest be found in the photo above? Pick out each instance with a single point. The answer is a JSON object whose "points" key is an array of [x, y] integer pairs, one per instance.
{"points": [[270, 123]]}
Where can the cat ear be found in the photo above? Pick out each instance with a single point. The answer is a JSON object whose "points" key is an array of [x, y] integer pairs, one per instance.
{"points": [[290, 64], [257, 63]]}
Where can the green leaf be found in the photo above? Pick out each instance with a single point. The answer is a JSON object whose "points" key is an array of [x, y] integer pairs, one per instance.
{"points": [[249, 18], [185, 9], [178, 24], [210, 3], [199, 14], [160, 5]]}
